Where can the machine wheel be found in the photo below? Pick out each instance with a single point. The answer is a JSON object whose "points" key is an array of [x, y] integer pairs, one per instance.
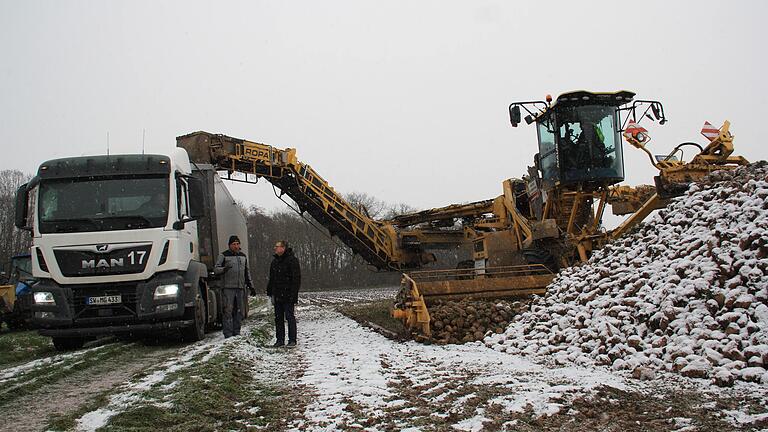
{"points": [[16, 320], [540, 256], [196, 331], [68, 343]]}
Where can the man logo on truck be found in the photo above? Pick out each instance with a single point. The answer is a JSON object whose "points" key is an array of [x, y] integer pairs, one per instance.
{"points": [[102, 263]]}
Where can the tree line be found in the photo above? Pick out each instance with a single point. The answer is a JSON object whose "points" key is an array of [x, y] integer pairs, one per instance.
{"points": [[326, 262]]}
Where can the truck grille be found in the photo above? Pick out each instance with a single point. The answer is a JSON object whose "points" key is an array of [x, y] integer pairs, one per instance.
{"points": [[125, 310]]}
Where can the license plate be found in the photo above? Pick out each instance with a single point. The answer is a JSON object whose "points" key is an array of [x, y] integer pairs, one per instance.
{"points": [[104, 300]]}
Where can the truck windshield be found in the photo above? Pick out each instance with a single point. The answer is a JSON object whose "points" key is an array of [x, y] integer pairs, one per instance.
{"points": [[103, 204]]}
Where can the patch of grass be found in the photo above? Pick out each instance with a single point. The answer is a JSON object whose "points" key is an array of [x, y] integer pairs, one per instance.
{"points": [[216, 395], [256, 302], [261, 332], [158, 417], [22, 346], [377, 313], [260, 335]]}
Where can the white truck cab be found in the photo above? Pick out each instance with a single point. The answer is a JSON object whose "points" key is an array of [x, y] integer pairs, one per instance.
{"points": [[125, 244]]}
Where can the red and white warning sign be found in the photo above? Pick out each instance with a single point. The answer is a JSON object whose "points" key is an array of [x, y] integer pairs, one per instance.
{"points": [[635, 131], [710, 131]]}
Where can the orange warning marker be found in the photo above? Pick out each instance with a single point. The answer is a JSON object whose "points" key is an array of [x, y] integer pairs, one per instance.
{"points": [[635, 131], [709, 131]]}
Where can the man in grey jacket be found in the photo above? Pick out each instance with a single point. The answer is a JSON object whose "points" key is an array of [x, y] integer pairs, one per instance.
{"points": [[232, 264]]}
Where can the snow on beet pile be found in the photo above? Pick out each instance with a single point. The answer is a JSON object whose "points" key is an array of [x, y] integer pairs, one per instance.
{"points": [[687, 292]]}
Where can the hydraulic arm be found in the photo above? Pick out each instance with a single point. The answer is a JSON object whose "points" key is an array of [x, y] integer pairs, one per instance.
{"points": [[378, 242]]}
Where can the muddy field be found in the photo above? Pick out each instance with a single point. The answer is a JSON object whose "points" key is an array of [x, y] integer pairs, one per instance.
{"points": [[344, 375]]}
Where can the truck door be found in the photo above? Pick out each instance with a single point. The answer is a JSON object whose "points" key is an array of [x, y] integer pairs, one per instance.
{"points": [[188, 237]]}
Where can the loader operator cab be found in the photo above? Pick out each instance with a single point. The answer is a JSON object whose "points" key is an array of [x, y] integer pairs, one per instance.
{"points": [[579, 137]]}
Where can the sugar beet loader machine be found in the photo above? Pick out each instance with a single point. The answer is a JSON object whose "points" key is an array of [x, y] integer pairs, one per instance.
{"points": [[546, 220]]}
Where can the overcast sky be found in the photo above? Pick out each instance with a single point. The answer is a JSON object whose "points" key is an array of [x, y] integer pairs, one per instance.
{"points": [[403, 100]]}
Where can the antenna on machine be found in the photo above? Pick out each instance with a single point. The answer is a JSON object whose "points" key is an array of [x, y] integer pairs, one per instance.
{"points": [[143, 134], [107, 143]]}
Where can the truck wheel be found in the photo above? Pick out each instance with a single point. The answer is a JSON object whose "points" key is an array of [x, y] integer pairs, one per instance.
{"points": [[214, 308], [196, 331], [14, 324], [68, 343]]}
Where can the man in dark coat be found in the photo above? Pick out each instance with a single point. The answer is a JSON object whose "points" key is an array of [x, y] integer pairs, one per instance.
{"points": [[236, 279], [283, 291]]}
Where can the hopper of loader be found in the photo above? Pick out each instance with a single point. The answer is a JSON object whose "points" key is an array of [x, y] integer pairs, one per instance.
{"points": [[482, 283]]}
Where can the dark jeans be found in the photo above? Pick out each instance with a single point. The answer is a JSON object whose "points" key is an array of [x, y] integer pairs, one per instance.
{"points": [[234, 306], [284, 310]]}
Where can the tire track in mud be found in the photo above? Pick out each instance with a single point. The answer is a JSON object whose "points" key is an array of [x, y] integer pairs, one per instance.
{"points": [[11, 374], [23, 379], [70, 381]]}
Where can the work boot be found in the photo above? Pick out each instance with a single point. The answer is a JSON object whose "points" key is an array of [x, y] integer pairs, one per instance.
{"points": [[278, 344], [291, 344]]}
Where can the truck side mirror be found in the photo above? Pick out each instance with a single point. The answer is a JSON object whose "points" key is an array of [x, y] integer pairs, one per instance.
{"points": [[22, 196], [514, 115], [196, 198]]}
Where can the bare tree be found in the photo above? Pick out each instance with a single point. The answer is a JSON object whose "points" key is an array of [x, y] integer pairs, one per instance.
{"points": [[12, 240], [326, 263], [398, 209], [367, 204]]}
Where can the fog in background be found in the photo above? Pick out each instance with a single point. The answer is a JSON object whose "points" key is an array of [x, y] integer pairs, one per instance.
{"points": [[405, 101]]}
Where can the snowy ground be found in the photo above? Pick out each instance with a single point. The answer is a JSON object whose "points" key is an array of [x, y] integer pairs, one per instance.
{"points": [[362, 380], [348, 365], [346, 377]]}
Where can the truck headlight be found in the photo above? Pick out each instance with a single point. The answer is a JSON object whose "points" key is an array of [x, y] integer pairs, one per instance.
{"points": [[166, 291], [44, 298]]}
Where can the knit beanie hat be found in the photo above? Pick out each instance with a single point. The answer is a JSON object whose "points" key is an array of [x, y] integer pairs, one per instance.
{"points": [[233, 239]]}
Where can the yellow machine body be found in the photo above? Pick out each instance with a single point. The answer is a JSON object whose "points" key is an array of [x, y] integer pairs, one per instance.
{"points": [[549, 219]]}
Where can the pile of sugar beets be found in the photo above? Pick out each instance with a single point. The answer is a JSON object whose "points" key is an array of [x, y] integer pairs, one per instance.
{"points": [[454, 322]]}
